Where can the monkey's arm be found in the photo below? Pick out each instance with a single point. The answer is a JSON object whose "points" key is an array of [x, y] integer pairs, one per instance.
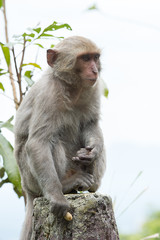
{"points": [[93, 138], [43, 169], [41, 161], [92, 156], [93, 144]]}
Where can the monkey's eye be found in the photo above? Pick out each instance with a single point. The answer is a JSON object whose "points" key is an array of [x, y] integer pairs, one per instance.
{"points": [[96, 57], [86, 57]]}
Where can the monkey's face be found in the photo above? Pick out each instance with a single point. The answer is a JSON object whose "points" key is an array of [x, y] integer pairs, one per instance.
{"points": [[88, 68]]}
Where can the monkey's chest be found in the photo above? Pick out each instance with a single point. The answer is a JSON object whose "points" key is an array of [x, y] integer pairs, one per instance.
{"points": [[71, 140], [70, 132]]}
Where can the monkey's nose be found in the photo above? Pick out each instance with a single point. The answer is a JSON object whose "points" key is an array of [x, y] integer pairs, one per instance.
{"points": [[95, 73], [95, 70]]}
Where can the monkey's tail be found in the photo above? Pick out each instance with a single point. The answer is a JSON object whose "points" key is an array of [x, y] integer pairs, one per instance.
{"points": [[27, 225]]}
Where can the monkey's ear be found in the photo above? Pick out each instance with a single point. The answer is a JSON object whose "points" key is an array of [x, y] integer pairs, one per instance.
{"points": [[51, 56]]}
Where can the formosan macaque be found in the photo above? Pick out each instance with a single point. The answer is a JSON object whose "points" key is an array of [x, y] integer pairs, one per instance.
{"points": [[58, 142]]}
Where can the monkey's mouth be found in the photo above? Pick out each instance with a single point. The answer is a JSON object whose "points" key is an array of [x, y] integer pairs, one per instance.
{"points": [[92, 80]]}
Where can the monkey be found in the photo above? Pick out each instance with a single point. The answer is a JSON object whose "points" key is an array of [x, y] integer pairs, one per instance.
{"points": [[59, 145]]}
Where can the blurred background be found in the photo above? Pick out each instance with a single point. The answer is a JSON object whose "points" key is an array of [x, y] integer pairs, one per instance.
{"points": [[128, 32]]}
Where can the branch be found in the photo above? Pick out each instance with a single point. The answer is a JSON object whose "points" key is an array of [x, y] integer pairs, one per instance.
{"points": [[10, 67], [20, 72], [4, 181], [22, 59], [18, 77], [5, 21]]}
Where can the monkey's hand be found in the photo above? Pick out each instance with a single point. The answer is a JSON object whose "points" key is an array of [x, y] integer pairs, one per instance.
{"points": [[85, 156], [60, 207], [83, 181]]}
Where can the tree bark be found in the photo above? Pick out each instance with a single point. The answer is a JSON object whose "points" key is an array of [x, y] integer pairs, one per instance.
{"points": [[93, 219]]}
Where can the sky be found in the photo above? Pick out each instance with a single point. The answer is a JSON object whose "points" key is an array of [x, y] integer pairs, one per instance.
{"points": [[128, 32]]}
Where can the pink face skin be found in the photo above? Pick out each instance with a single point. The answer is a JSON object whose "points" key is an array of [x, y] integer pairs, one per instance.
{"points": [[88, 68]]}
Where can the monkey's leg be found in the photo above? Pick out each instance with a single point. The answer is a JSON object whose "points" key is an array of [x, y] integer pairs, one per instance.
{"points": [[27, 225]]}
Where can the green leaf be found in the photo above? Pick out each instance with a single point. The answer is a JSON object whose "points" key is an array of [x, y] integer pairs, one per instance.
{"points": [[1, 72], [32, 64], [106, 92], [93, 7], [37, 30], [7, 124], [1, 3], [6, 53], [52, 46], [38, 44], [32, 35], [53, 27], [1, 87], [9, 162], [28, 40], [29, 81], [56, 26], [45, 35], [27, 76]]}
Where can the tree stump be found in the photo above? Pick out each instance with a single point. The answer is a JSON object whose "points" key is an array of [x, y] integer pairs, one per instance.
{"points": [[93, 219]]}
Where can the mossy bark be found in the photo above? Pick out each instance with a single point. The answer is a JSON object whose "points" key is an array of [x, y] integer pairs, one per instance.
{"points": [[93, 219]]}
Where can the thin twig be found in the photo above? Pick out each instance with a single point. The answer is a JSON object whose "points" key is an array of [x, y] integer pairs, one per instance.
{"points": [[15, 63], [10, 67], [18, 76], [20, 71], [22, 59]]}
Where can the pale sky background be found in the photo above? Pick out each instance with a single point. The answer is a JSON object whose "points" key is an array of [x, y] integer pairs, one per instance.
{"points": [[129, 34]]}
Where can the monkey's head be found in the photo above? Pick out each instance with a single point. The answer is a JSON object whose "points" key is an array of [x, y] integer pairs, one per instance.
{"points": [[75, 60]]}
